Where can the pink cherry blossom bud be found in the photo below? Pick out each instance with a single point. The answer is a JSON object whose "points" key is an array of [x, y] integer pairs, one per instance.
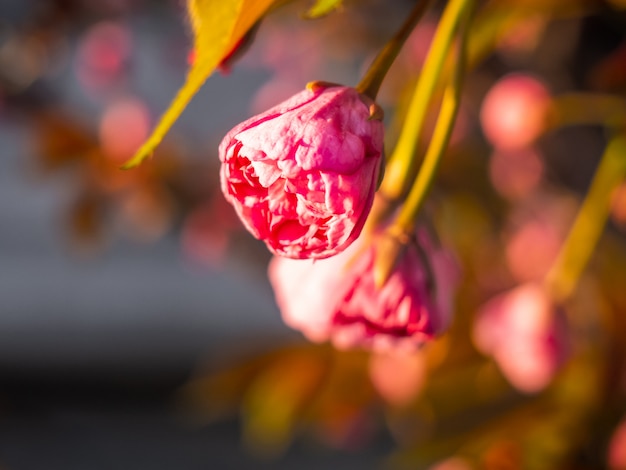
{"points": [[337, 298], [525, 334], [302, 175], [515, 111]]}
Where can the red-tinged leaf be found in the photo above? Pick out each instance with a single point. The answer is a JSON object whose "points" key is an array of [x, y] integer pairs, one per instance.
{"points": [[218, 25]]}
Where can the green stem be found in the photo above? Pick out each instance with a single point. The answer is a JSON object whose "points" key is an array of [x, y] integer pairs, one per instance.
{"points": [[589, 224], [571, 109], [438, 144], [440, 138], [403, 226], [402, 161], [370, 84]]}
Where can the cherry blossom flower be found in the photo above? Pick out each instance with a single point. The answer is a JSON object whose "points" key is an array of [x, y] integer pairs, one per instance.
{"points": [[302, 175], [514, 111], [338, 299], [525, 334]]}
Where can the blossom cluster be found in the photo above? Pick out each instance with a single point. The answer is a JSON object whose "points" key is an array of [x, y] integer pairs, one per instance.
{"points": [[302, 177]]}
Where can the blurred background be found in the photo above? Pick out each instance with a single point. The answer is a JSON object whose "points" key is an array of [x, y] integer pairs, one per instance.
{"points": [[137, 326]]}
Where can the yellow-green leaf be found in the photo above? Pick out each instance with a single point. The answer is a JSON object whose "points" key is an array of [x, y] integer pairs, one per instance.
{"points": [[322, 8], [217, 25]]}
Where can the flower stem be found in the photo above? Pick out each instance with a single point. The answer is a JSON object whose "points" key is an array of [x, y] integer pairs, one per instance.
{"points": [[402, 162], [403, 226], [570, 109], [370, 84], [438, 144], [583, 237]]}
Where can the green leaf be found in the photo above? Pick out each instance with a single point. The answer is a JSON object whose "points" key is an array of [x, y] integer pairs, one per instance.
{"points": [[322, 7], [217, 25]]}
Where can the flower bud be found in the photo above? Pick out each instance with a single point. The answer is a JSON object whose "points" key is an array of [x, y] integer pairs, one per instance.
{"points": [[302, 175], [515, 111], [337, 298], [525, 334]]}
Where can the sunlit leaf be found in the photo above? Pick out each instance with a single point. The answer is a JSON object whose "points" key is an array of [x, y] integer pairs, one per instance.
{"points": [[217, 26], [322, 8]]}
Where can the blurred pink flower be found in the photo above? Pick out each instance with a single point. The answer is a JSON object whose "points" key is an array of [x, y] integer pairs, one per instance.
{"points": [[514, 111], [124, 126], [525, 334], [616, 452], [337, 298], [302, 175], [537, 231], [103, 56]]}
